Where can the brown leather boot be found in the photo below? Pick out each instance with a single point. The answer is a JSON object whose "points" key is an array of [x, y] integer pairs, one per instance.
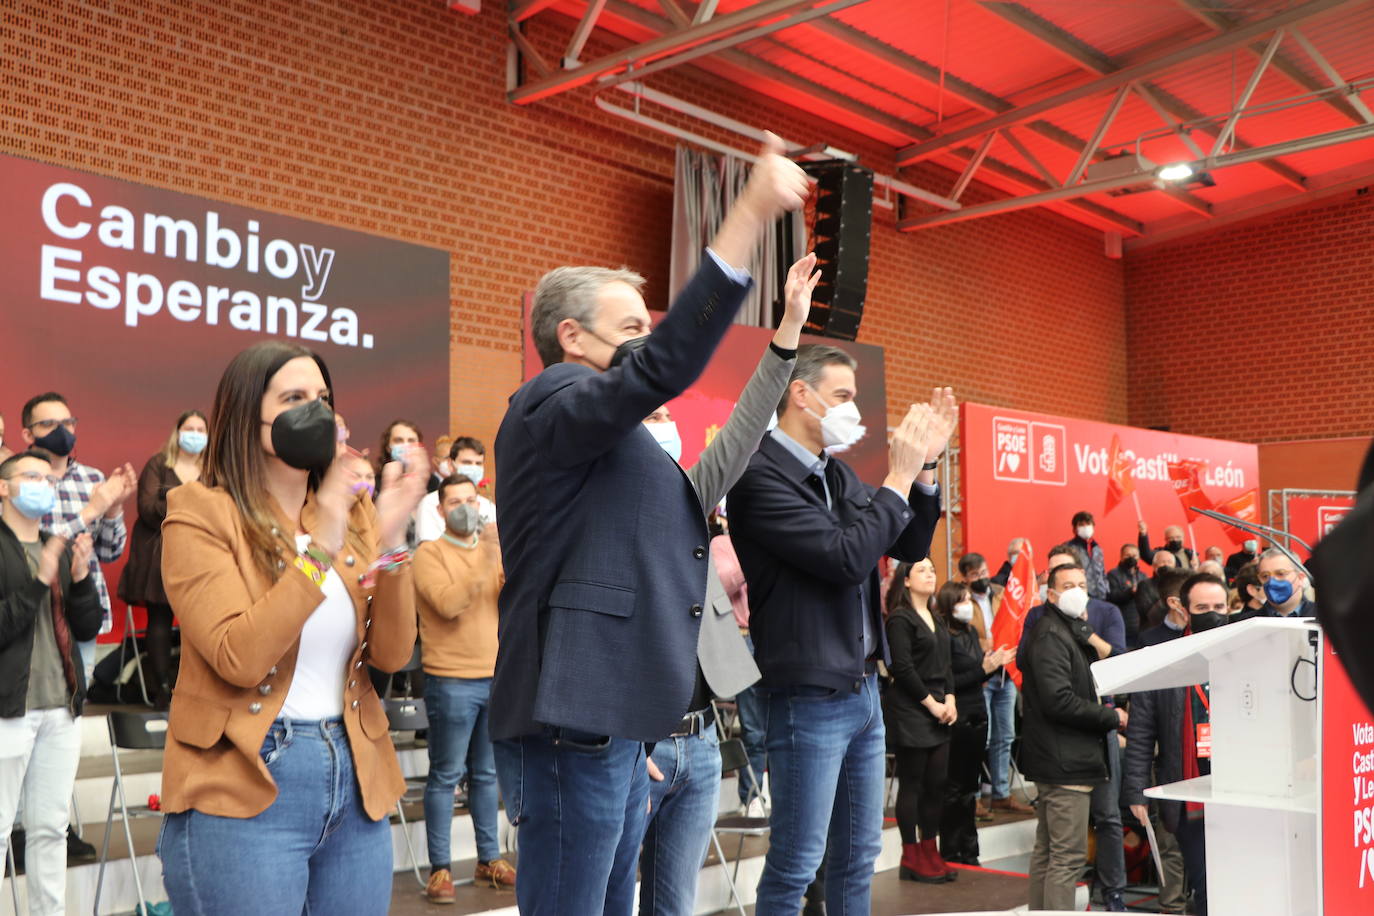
{"points": [[497, 873]]}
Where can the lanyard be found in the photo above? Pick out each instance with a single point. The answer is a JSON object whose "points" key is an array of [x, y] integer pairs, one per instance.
{"points": [[1202, 695]]}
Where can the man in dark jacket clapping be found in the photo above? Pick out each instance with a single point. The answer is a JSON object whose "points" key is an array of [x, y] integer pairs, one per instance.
{"points": [[1063, 737]]}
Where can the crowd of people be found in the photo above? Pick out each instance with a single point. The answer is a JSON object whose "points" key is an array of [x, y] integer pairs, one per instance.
{"points": [[577, 627]]}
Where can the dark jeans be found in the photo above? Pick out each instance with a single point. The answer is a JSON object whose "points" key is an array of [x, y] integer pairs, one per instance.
{"points": [[314, 850], [826, 753], [580, 802], [958, 823], [1110, 864], [680, 822], [753, 725]]}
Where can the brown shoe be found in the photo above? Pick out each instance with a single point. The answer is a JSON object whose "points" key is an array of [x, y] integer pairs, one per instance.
{"points": [[497, 873], [440, 887], [1012, 805]]}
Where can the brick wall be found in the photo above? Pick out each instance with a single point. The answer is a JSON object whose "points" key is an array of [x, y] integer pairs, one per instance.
{"points": [[1263, 331], [388, 116]]}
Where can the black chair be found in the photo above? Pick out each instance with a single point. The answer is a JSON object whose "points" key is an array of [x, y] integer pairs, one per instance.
{"points": [[734, 759], [128, 731]]}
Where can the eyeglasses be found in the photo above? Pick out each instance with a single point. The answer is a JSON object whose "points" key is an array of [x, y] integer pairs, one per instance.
{"points": [[47, 426], [33, 477]]}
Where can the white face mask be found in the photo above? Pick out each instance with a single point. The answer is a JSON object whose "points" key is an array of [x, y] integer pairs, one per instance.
{"points": [[1074, 602], [840, 427], [1085, 532], [666, 435], [963, 611], [472, 472]]}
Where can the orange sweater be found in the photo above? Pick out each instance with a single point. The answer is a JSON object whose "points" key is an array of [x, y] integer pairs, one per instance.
{"points": [[455, 591]]}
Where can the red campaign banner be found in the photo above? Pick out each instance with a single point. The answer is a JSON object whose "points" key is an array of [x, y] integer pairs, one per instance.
{"points": [[1347, 793], [1025, 474], [1312, 518], [130, 300], [702, 410], [1017, 600]]}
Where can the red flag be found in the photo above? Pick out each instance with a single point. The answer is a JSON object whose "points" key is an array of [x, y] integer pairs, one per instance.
{"points": [[1244, 507], [1017, 600], [1186, 477], [1120, 475]]}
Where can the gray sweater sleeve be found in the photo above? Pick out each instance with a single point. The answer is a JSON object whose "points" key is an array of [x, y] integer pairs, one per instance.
{"points": [[725, 459]]}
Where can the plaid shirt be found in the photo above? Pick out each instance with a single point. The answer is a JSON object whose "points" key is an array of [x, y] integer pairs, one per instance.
{"points": [[73, 493]]}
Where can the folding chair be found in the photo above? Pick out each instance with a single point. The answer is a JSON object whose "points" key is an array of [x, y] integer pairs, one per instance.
{"points": [[129, 731], [408, 714], [410, 666], [131, 639], [13, 871], [735, 760]]}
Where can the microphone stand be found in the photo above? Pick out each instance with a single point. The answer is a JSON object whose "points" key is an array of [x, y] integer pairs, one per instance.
{"points": [[1271, 534]]}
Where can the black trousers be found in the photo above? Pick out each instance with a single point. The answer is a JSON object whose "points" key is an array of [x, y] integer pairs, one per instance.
{"points": [[921, 775], [958, 823]]}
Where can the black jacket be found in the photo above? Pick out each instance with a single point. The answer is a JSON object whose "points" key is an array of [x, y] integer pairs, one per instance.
{"points": [[1156, 719], [1063, 736], [920, 668], [1185, 556], [812, 570], [1134, 602], [966, 661], [21, 598]]}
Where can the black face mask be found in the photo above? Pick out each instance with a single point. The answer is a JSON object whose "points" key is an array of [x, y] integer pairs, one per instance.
{"points": [[60, 441], [1173, 546], [1130, 563], [980, 586], [624, 350], [1208, 621], [306, 437]]}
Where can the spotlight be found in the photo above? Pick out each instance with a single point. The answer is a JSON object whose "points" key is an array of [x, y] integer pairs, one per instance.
{"points": [[1179, 171]]}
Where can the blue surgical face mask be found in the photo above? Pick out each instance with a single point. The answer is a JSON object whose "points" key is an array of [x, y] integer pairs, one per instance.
{"points": [[1278, 590], [35, 498], [473, 472], [666, 435], [192, 443], [398, 452]]}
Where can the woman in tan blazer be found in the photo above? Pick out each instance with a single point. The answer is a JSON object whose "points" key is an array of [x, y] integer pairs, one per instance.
{"points": [[279, 773]]}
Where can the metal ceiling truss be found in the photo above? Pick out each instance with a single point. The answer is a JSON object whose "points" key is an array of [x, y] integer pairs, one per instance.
{"points": [[692, 31]]}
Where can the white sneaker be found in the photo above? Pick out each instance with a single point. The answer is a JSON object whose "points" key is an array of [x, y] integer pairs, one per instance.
{"points": [[756, 808]]}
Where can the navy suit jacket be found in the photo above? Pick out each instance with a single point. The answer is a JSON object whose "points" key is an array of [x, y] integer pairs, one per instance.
{"points": [[603, 537], [805, 564]]}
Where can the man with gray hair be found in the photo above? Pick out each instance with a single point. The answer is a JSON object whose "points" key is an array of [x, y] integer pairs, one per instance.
{"points": [[1285, 586], [604, 544]]}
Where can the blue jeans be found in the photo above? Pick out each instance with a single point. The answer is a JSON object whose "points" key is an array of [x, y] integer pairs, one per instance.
{"points": [[826, 756], [1106, 810], [314, 850], [753, 723], [458, 743], [1000, 695], [681, 815], [579, 801]]}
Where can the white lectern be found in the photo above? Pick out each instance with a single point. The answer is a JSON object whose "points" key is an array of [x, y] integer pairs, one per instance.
{"points": [[1262, 795]]}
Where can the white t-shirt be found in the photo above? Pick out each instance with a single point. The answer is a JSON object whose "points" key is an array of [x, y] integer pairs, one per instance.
{"points": [[327, 643], [984, 603], [429, 524]]}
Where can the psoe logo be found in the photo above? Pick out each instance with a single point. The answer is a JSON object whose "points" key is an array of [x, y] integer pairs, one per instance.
{"points": [[1011, 449], [1049, 447], [1329, 517]]}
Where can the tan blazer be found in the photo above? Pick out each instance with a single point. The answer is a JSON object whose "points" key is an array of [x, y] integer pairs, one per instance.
{"points": [[240, 635]]}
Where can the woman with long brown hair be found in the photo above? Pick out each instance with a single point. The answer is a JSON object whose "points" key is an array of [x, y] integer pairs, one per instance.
{"points": [[918, 713], [279, 773], [176, 463]]}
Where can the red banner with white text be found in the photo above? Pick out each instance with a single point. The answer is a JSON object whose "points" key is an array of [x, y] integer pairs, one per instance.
{"points": [[1025, 475], [1347, 793], [1311, 518]]}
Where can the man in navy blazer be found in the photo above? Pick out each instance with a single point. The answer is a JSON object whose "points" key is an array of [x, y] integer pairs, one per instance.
{"points": [[604, 543], [809, 535]]}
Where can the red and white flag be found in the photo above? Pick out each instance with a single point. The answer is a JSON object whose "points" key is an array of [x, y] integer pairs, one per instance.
{"points": [[1017, 600], [1120, 477]]}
